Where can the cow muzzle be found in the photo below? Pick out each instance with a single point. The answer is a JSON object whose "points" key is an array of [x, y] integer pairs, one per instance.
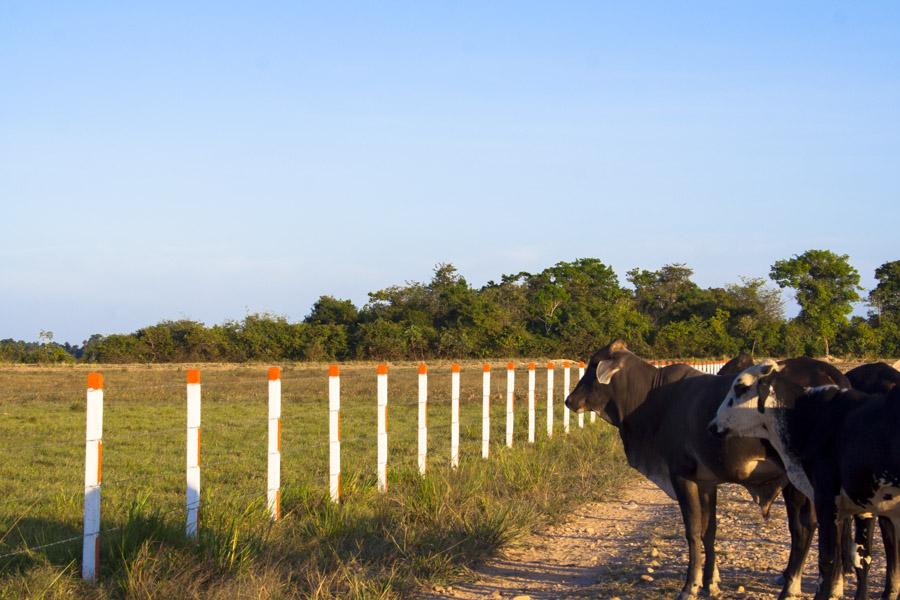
{"points": [[716, 431], [574, 404]]}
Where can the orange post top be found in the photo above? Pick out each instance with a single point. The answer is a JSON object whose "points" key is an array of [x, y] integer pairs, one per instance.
{"points": [[566, 364], [486, 368], [423, 368], [581, 364], [334, 371], [381, 369], [95, 381], [549, 365], [193, 376], [510, 366], [532, 366], [274, 373], [454, 368]]}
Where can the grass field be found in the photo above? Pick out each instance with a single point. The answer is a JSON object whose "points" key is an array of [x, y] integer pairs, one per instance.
{"points": [[371, 545]]}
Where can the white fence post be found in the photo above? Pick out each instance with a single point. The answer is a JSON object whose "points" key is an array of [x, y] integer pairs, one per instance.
{"points": [[510, 399], [454, 415], [93, 465], [567, 382], [192, 496], [334, 433], [381, 372], [423, 418], [581, 367], [273, 481], [550, 372], [485, 410], [531, 368]]}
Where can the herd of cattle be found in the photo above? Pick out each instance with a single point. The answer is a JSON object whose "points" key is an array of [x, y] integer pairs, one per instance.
{"points": [[827, 442]]}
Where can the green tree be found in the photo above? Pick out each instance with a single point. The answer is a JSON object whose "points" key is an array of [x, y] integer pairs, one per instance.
{"points": [[756, 312], [116, 348], [885, 298], [324, 342], [859, 338], [381, 340], [669, 294], [329, 310], [825, 284], [578, 306]]}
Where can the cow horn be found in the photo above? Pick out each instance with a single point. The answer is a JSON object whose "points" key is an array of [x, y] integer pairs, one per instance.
{"points": [[769, 367], [618, 346]]}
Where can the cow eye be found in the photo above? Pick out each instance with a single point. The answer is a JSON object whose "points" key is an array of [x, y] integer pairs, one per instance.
{"points": [[740, 389], [731, 402]]}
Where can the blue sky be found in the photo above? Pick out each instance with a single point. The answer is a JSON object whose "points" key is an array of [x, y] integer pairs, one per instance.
{"points": [[203, 161]]}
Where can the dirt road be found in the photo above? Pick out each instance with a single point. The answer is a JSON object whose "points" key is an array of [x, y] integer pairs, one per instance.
{"points": [[633, 548]]}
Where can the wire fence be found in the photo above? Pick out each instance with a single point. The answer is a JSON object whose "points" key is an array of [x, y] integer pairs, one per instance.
{"points": [[439, 434]]}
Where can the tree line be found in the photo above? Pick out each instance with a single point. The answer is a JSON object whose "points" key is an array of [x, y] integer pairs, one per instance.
{"points": [[568, 309]]}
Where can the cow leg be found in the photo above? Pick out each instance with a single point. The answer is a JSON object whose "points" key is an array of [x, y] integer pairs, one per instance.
{"points": [[802, 525], [861, 554], [708, 495], [848, 550], [891, 553], [831, 576], [688, 496]]}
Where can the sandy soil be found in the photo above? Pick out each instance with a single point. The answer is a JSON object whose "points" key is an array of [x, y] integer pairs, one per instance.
{"points": [[633, 548]]}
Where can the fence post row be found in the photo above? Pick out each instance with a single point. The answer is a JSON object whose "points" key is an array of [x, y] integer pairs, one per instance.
{"points": [[454, 415], [273, 479], [531, 368], [381, 372], [192, 495], [510, 399], [94, 436], [93, 465], [485, 409], [334, 433], [423, 418]]}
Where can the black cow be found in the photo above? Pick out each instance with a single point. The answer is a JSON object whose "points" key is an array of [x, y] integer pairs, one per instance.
{"points": [[662, 417], [874, 378], [840, 446], [737, 364]]}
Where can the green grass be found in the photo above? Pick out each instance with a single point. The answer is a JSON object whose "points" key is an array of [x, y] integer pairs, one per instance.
{"points": [[426, 529]]}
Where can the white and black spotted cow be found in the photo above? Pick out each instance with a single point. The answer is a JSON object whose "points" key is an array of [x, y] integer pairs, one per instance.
{"points": [[840, 446], [873, 378], [662, 417]]}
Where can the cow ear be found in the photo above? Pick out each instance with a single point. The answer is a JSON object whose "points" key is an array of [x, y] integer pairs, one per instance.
{"points": [[763, 389]]}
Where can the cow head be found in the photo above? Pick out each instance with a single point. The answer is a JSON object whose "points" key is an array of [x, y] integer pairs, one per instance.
{"points": [[595, 389], [737, 364], [743, 411]]}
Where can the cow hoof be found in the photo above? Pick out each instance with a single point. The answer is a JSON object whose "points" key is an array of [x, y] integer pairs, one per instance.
{"points": [[692, 593], [712, 591]]}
